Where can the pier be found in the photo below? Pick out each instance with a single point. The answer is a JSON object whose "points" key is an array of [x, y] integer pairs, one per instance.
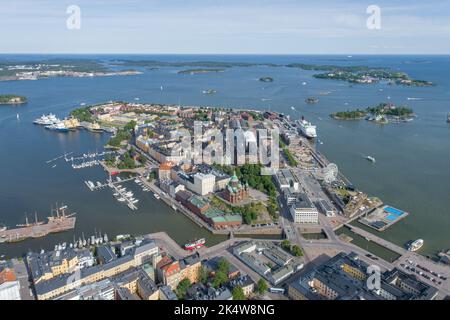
{"points": [[119, 191], [60, 222]]}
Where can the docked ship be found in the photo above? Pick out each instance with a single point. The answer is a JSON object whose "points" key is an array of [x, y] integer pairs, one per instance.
{"points": [[195, 244], [58, 221], [58, 126], [46, 120], [306, 128], [415, 245]]}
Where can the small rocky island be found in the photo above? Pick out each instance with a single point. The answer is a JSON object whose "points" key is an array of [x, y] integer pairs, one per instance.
{"points": [[383, 113], [12, 99], [266, 79], [312, 100]]}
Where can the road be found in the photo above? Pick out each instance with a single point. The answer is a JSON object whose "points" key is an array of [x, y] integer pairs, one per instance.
{"points": [[22, 276]]}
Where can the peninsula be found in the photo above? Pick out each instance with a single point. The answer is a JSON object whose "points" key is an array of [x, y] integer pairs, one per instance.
{"points": [[40, 69]]}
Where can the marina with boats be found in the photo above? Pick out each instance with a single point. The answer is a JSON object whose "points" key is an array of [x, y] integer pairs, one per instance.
{"points": [[51, 122]]}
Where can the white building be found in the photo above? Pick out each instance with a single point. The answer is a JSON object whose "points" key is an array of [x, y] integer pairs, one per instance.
{"points": [[10, 290], [287, 180], [203, 183], [304, 211]]}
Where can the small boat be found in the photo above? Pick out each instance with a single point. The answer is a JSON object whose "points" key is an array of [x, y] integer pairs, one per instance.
{"points": [[370, 158], [292, 108], [312, 100], [415, 245], [157, 196], [304, 83], [121, 199], [448, 118], [209, 91], [195, 244], [17, 116]]}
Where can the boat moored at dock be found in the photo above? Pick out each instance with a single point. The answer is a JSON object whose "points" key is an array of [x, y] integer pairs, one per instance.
{"points": [[195, 244], [306, 128], [415, 245]]}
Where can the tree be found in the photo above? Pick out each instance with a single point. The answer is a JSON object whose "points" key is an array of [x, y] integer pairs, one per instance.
{"points": [[261, 286], [238, 293], [182, 288], [286, 244], [223, 265], [130, 125], [296, 251], [203, 275], [220, 278]]}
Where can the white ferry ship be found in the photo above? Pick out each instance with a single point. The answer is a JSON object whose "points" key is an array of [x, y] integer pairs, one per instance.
{"points": [[46, 120], [58, 126], [416, 245], [306, 128]]}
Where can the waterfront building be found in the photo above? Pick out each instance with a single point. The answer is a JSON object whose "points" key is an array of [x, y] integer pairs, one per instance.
{"points": [[194, 203], [47, 265], [105, 254], [65, 282], [235, 192], [164, 170], [304, 211]]}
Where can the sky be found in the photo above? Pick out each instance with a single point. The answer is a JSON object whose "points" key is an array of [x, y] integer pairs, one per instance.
{"points": [[225, 27]]}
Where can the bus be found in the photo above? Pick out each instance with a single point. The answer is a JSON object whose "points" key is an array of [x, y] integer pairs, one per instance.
{"points": [[276, 290]]}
